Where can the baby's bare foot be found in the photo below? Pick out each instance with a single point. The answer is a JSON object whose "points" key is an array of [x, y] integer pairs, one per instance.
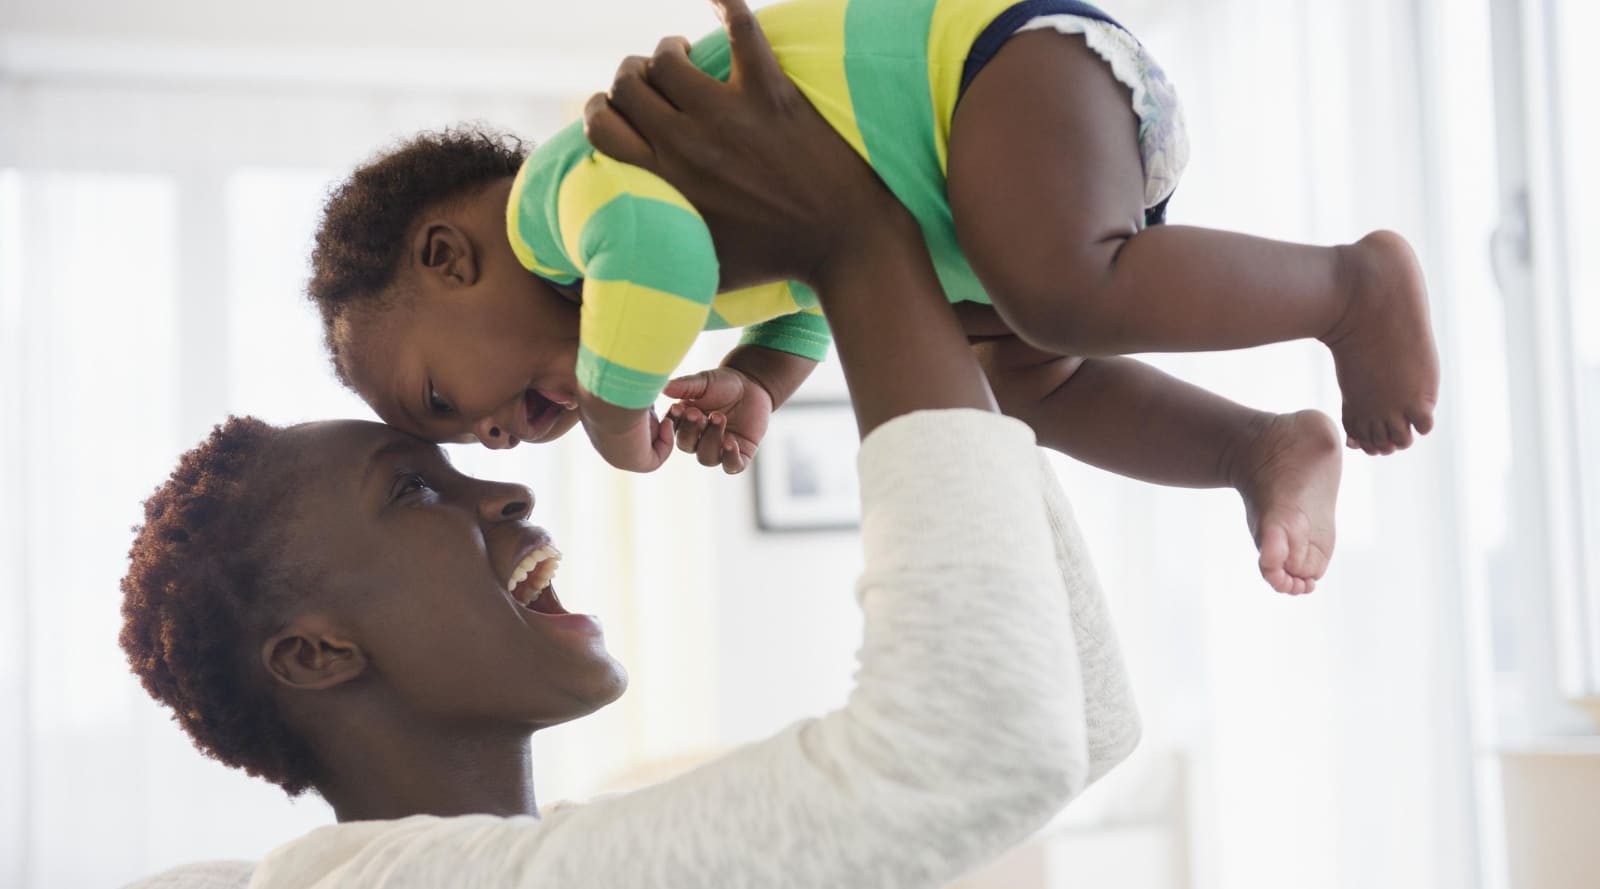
{"points": [[1383, 349], [1290, 483]]}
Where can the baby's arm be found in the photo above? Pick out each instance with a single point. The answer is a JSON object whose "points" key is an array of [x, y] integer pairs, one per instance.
{"points": [[721, 415], [650, 272]]}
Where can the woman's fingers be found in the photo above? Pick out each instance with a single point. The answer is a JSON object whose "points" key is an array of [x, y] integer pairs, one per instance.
{"points": [[633, 96], [611, 133], [675, 77], [753, 60]]}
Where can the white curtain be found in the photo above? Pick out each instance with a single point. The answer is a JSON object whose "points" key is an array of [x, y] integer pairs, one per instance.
{"points": [[1334, 739]]}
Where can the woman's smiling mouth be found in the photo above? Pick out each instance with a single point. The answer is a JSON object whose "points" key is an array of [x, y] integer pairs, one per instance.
{"points": [[530, 579]]}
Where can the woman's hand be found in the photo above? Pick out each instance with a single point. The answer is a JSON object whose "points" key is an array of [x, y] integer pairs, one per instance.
{"points": [[786, 197], [780, 190]]}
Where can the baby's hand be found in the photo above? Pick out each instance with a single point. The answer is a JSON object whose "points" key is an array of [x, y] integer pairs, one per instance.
{"points": [[721, 416], [628, 439]]}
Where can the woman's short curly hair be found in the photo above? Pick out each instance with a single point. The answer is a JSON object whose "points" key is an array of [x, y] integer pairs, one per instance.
{"points": [[369, 217], [204, 580]]}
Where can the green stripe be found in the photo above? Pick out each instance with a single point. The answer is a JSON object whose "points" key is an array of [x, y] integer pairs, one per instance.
{"points": [[713, 55], [653, 244], [802, 334], [716, 322], [617, 383], [536, 205], [886, 66], [803, 296]]}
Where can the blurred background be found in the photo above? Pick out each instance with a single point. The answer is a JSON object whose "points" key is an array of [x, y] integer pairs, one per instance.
{"points": [[1416, 722]]}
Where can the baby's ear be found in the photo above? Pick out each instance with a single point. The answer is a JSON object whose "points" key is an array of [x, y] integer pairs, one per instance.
{"points": [[446, 251], [311, 654]]}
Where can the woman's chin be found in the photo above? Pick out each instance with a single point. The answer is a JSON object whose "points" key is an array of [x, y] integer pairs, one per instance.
{"points": [[583, 695]]}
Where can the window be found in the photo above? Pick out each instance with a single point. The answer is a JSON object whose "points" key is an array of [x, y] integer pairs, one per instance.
{"points": [[1576, 142]]}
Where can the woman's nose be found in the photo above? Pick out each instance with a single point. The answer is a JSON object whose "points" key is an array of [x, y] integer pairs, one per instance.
{"points": [[493, 434], [505, 500]]}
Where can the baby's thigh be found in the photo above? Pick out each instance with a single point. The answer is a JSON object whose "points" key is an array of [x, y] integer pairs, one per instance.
{"points": [[1044, 150], [1045, 178]]}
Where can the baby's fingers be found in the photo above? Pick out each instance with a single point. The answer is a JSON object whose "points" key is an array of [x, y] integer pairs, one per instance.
{"points": [[710, 449], [733, 459], [691, 428]]}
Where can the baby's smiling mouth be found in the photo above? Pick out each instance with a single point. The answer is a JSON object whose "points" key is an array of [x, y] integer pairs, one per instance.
{"points": [[540, 414]]}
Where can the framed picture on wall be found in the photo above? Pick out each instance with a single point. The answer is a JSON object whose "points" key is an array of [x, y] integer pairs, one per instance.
{"points": [[805, 472]]}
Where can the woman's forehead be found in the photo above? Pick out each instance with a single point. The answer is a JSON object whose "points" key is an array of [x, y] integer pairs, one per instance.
{"points": [[345, 449]]}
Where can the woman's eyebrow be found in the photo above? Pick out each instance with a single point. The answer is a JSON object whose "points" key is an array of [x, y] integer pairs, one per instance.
{"points": [[407, 445], [383, 452]]}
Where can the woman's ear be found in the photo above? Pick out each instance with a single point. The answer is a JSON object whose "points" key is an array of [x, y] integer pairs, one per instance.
{"points": [[310, 654], [445, 251]]}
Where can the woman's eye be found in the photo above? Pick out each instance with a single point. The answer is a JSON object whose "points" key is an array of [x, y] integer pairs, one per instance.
{"points": [[436, 403]]}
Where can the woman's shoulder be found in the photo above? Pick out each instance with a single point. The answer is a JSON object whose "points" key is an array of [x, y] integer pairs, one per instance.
{"points": [[200, 875], [378, 853]]}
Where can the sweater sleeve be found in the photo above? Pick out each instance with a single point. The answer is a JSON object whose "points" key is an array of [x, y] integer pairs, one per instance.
{"points": [[980, 709]]}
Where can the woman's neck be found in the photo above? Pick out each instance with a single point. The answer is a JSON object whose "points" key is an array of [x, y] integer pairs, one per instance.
{"points": [[385, 776]]}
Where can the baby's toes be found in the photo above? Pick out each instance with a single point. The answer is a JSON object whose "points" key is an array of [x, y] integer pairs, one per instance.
{"points": [[1279, 579], [1274, 544], [1422, 420], [1355, 433], [1397, 435]]}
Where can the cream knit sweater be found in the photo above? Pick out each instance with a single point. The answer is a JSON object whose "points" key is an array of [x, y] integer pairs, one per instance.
{"points": [[990, 693]]}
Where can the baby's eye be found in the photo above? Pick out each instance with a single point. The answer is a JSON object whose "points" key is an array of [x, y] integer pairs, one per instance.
{"points": [[436, 403], [408, 482]]}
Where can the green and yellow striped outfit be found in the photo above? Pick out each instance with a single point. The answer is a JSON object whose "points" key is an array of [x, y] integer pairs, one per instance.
{"points": [[885, 74]]}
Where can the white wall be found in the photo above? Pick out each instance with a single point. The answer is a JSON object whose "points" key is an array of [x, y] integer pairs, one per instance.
{"points": [[1328, 734], [626, 26]]}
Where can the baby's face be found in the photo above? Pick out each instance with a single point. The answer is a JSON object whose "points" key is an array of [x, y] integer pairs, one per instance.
{"points": [[487, 365]]}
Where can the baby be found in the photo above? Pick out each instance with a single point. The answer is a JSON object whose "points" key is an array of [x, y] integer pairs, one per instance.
{"points": [[470, 290]]}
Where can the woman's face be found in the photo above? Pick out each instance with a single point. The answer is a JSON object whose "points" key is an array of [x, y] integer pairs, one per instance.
{"points": [[412, 561]]}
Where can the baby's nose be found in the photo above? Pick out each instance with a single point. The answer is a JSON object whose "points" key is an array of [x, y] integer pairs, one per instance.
{"points": [[493, 435]]}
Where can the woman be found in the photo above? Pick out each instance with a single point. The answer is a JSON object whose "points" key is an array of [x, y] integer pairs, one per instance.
{"points": [[331, 606]]}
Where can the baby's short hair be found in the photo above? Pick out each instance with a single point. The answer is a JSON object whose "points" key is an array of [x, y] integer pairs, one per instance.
{"points": [[203, 575], [368, 218]]}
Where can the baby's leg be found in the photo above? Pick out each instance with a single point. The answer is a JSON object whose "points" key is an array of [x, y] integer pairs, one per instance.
{"points": [[1134, 420], [1047, 190]]}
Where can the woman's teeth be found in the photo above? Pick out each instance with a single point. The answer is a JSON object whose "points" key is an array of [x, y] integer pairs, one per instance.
{"points": [[538, 567]]}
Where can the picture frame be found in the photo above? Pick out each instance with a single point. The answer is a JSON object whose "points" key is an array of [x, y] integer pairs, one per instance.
{"points": [[805, 472]]}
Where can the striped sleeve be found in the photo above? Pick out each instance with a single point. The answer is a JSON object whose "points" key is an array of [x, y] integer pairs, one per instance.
{"points": [[650, 273], [802, 333]]}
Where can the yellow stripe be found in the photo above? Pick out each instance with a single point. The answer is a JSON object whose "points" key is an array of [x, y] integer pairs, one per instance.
{"points": [[752, 305], [594, 182], [808, 39], [645, 329], [955, 26]]}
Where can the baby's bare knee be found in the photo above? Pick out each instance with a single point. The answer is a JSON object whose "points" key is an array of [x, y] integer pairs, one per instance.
{"points": [[1023, 376], [1053, 304]]}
